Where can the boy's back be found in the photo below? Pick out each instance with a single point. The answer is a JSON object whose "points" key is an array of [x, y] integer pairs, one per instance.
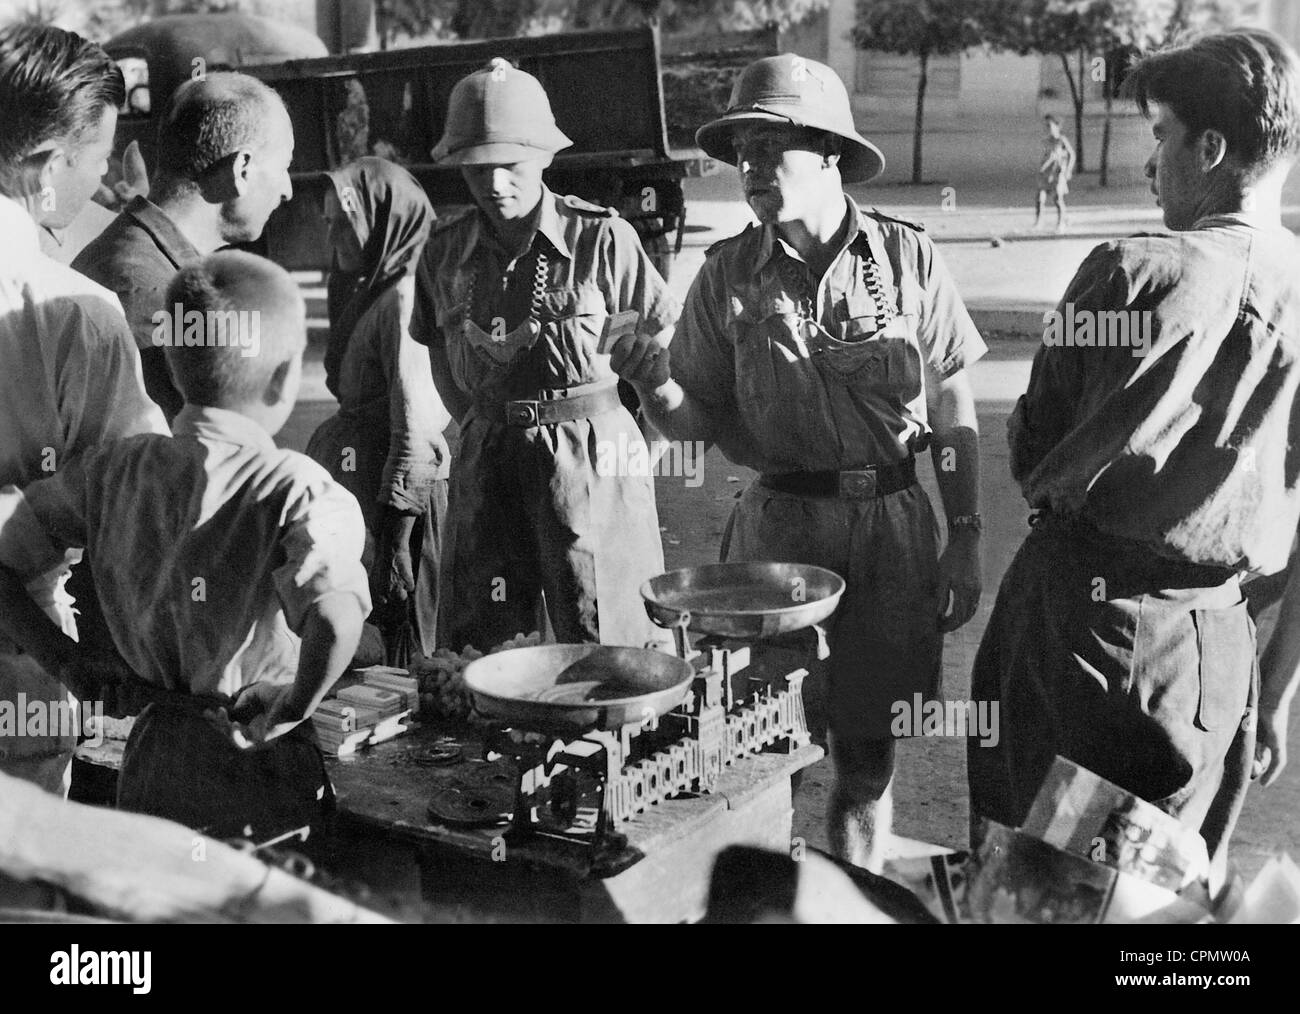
{"points": [[212, 546]]}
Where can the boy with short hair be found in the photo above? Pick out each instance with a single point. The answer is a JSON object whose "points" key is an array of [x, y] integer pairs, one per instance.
{"points": [[230, 570]]}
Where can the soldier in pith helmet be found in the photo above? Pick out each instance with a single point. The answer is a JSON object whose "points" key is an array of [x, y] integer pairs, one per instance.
{"points": [[825, 347], [512, 298]]}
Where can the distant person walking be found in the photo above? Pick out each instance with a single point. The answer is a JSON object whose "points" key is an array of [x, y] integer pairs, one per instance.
{"points": [[1054, 172]]}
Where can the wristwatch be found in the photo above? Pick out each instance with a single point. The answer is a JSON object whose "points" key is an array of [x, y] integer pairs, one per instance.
{"points": [[971, 521]]}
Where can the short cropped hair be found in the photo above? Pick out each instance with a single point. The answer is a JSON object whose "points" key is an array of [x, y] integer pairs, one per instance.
{"points": [[213, 117], [1245, 84], [219, 372], [1053, 118], [54, 86]]}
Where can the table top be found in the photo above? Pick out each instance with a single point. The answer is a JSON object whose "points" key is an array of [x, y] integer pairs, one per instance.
{"points": [[386, 789]]}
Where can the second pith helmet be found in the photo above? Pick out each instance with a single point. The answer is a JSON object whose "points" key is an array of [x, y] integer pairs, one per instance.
{"points": [[804, 93], [497, 116]]}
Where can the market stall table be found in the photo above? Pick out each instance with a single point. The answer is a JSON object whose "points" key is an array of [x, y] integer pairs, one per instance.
{"points": [[477, 873]]}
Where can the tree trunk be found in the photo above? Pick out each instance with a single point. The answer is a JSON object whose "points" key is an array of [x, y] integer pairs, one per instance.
{"points": [[1108, 90], [918, 128], [1076, 97], [381, 25]]}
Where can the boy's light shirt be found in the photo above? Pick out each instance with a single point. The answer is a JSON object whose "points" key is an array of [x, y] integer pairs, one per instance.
{"points": [[209, 548]]}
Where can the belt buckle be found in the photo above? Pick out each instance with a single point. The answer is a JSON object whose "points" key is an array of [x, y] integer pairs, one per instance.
{"points": [[858, 485], [521, 413]]}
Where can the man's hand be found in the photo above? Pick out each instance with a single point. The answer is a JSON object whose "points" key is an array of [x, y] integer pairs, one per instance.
{"points": [[392, 573], [640, 360], [260, 714], [1270, 747], [959, 580]]}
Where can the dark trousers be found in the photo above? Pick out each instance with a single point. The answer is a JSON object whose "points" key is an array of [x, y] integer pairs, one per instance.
{"points": [[1141, 670], [177, 765]]}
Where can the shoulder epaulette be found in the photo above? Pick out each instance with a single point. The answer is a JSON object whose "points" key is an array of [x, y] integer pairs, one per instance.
{"points": [[880, 216], [730, 239], [578, 204]]}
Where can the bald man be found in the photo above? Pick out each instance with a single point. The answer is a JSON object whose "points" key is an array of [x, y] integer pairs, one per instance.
{"points": [[222, 167], [229, 570]]}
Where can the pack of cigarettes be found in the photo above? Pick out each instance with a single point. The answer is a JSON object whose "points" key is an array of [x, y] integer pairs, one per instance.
{"points": [[399, 680]]}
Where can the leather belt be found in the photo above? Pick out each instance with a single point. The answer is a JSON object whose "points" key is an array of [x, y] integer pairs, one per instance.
{"points": [[1130, 556], [564, 405], [863, 484]]}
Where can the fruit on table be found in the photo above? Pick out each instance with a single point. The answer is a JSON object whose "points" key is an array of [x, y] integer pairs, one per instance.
{"points": [[442, 676]]}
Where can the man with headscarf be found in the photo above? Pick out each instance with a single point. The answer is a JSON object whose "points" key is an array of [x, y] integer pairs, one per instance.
{"points": [[224, 150], [385, 445], [511, 297]]}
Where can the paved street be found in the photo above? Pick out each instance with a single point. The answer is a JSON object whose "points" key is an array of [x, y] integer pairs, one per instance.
{"points": [[1009, 286]]}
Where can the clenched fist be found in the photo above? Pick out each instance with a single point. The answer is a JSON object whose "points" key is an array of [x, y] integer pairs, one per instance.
{"points": [[640, 360]]}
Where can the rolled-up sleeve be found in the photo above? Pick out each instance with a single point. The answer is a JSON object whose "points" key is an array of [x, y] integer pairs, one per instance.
{"points": [[948, 335], [632, 281], [702, 358], [323, 540]]}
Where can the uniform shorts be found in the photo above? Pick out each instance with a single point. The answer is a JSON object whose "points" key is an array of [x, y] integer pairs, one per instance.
{"points": [[885, 642]]}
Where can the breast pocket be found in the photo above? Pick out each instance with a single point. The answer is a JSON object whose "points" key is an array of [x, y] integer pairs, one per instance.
{"points": [[772, 351], [869, 352], [574, 318]]}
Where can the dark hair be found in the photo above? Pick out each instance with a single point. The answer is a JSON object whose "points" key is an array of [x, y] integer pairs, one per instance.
{"points": [[1053, 118], [221, 371], [1245, 84], [54, 86], [213, 117]]}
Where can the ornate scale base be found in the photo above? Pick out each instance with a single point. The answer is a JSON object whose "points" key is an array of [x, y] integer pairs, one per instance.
{"points": [[745, 699]]}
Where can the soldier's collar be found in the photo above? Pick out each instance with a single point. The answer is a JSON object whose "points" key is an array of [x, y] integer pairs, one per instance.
{"points": [[549, 225], [862, 232]]}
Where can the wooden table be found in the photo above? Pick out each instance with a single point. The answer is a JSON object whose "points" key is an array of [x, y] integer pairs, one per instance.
{"points": [[472, 873]]}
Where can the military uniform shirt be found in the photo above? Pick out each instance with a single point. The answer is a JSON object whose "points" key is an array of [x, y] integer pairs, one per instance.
{"points": [[588, 275], [846, 392]]}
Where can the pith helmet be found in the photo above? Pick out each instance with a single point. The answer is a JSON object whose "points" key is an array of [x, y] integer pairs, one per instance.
{"points": [[805, 93], [496, 116]]}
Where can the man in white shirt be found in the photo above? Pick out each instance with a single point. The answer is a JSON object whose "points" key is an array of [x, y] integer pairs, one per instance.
{"points": [[69, 375]]}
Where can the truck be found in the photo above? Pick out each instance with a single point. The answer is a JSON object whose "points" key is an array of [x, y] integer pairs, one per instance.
{"points": [[604, 88]]}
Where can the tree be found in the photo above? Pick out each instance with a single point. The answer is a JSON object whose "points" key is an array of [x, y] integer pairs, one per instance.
{"points": [[1130, 36], [1061, 28], [1104, 37], [481, 19], [921, 28]]}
